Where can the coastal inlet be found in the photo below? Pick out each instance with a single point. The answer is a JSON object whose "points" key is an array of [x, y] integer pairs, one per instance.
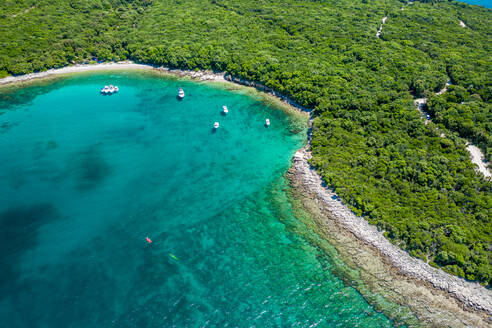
{"points": [[129, 211]]}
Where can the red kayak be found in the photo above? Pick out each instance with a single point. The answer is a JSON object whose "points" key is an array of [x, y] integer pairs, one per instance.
{"points": [[148, 240]]}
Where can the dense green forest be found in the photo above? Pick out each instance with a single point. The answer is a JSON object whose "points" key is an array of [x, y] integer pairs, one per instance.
{"points": [[466, 113], [369, 142]]}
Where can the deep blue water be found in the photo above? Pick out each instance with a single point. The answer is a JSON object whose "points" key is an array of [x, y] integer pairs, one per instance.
{"points": [[483, 3], [85, 178]]}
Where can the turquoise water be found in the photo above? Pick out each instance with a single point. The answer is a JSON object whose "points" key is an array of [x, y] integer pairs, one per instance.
{"points": [[85, 178], [483, 3]]}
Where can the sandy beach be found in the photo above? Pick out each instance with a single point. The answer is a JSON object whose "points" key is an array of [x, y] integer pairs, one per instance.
{"points": [[109, 66]]}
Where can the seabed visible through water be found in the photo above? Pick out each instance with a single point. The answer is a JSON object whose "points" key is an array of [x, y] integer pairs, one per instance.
{"points": [[86, 178]]}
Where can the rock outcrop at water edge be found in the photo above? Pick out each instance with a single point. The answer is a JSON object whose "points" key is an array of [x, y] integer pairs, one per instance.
{"points": [[470, 294]]}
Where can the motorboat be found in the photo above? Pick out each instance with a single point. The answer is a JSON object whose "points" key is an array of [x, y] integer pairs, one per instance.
{"points": [[109, 89], [105, 90]]}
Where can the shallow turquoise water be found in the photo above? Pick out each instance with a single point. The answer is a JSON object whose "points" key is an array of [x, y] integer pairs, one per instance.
{"points": [[85, 178]]}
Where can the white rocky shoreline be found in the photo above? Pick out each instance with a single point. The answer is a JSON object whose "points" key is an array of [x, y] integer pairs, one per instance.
{"points": [[471, 295]]}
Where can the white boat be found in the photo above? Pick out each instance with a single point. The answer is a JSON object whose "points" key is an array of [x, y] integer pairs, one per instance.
{"points": [[267, 122], [225, 110], [181, 93], [108, 90], [105, 90], [216, 125]]}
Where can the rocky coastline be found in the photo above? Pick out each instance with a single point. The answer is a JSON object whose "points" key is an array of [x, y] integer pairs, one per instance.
{"points": [[472, 296]]}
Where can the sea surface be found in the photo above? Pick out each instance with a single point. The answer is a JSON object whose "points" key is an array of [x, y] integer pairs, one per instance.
{"points": [[483, 3], [85, 178]]}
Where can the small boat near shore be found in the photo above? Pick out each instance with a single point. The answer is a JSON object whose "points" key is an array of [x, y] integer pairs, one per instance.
{"points": [[267, 122], [225, 110], [216, 125], [109, 90], [181, 93]]}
